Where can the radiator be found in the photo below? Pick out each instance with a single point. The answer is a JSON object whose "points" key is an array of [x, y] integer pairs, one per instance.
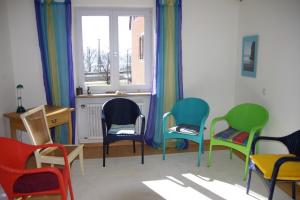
{"points": [[93, 121]]}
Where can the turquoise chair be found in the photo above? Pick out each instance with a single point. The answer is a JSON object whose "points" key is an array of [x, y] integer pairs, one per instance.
{"points": [[245, 122], [190, 115]]}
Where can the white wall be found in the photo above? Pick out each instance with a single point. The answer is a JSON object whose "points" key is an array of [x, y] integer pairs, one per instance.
{"points": [[25, 51], [278, 67], [7, 85], [209, 42]]}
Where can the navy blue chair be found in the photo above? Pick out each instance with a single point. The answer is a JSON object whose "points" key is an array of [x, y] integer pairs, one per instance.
{"points": [[119, 118], [277, 167]]}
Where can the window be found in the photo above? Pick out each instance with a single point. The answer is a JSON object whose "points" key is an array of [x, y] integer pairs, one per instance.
{"points": [[114, 49]]}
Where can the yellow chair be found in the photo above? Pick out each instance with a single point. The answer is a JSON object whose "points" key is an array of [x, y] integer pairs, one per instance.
{"points": [[277, 167], [35, 122]]}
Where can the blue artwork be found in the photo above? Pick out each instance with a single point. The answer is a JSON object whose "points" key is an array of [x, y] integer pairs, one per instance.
{"points": [[249, 55]]}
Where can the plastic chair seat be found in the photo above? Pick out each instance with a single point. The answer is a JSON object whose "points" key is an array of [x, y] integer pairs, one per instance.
{"points": [[234, 136], [29, 183], [122, 130], [185, 129], [265, 163]]}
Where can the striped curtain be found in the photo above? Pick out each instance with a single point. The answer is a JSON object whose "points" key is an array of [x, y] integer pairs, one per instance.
{"points": [[54, 32], [167, 88]]}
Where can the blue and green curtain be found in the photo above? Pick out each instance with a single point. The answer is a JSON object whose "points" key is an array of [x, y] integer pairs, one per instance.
{"points": [[167, 83], [54, 33]]}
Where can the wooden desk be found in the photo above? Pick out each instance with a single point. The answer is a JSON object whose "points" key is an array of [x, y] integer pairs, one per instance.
{"points": [[55, 116]]}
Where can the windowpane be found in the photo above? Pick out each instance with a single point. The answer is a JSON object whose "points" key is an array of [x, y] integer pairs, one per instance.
{"points": [[131, 66], [96, 50]]}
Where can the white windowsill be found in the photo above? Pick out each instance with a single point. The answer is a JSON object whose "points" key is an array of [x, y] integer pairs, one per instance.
{"points": [[103, 95]]}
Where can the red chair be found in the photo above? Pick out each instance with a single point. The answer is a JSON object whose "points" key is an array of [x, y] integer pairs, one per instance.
{"points": [[17, 181]]}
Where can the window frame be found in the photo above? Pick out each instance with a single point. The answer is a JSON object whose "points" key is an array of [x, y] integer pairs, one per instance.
{"points": [[142, 46], [113, 14]]}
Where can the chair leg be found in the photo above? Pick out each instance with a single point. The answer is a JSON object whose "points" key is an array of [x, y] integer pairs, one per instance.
{"points": [[107, 149], [271, 191], [133, 143], [249, 180], [246, 167], [103, 158], [63, 193], [209, 156], [71, 190], [294, 190], [38, 163], [81, 161], [202, 146], [199, 154], [164, 149], [142, 151]]}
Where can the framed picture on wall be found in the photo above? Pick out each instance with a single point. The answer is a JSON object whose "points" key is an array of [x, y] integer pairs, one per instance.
{"points": [[249, 55]]}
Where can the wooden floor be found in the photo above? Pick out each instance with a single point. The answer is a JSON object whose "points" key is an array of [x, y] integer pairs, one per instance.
{"points": [[124, 149]]}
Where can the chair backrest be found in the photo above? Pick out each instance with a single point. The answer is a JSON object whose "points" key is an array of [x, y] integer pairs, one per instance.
{"points": [[13, 153], [36, 124], [120, 111], [292, 142], [190, 111], [246, 116]]}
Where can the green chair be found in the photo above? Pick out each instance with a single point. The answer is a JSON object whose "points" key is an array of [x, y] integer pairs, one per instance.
{"points": [[245, 122], [190, 115]]}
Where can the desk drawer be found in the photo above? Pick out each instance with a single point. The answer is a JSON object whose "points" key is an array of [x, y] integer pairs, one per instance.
{"points": [[57, 119]]}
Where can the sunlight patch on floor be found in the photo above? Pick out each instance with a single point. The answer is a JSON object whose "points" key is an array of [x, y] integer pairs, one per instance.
{"points": [[169, 189], [223, 189], [175, 180], [172, 188]]}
